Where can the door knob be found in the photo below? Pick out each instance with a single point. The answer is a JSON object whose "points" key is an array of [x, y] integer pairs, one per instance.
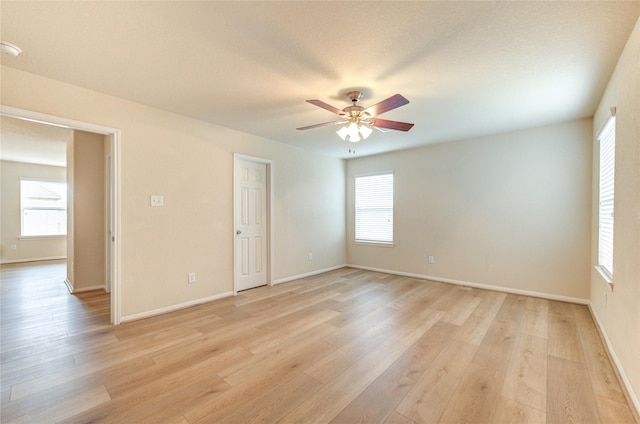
{"points": [[238, 232]]}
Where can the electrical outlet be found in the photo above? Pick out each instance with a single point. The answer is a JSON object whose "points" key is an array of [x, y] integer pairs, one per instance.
{"points": [[310, 256], [157, 200], [14, 247], [192, 277], [431, 259]]}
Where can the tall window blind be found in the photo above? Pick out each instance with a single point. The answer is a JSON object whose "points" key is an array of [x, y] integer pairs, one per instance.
{"points": [[374, 208], [607, 139], [43, 206]]}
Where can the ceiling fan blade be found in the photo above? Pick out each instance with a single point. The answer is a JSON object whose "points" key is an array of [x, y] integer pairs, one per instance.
{"points": [[326, 106], [386, 105], [308, 127], [391, 125]]}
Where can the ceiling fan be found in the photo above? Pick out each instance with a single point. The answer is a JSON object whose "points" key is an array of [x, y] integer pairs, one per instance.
{"points": [[359, 120]]}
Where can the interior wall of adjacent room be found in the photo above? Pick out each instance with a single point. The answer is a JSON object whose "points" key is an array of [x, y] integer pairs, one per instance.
{"points": [[509, 210], [89, 260], [29, 249], [618, 311], [190, 163]]}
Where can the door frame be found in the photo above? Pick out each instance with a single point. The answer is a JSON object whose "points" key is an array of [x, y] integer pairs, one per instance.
{"points": [[270, 255], [115, 177]]}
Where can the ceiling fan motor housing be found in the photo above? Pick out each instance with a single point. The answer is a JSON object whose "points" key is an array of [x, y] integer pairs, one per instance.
{"points": [[354, 96]]}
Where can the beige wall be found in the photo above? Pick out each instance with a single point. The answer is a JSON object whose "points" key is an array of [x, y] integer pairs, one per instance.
{"points": [[26, 249], [510, 210], [190, 163], [618, 311], [88, 260]]}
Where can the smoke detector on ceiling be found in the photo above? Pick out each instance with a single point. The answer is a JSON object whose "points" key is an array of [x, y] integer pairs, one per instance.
{"points": [[10, 49]]}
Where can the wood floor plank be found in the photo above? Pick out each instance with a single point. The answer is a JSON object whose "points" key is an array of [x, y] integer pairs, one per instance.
{"points": [[416, 360], [569, 394], [377, 401], [564, 339], [512, 412], [429, 396], [535, 317], [340, 359], [327, 402], [245, 369], [32, 395], [603, 377], [475, 397], [345, 346], [64, 408], [278, 403], [397, 418], [614, 412], [462, 309], [526, 375], [258, 386], [475, 329]]}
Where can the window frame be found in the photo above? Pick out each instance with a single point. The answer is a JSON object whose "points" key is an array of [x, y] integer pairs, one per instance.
{"points": [[373, 240], [606, 138], [24, 208]]}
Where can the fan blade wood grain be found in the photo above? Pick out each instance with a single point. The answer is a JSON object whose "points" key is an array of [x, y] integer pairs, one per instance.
{"points": [[326, 106], [386, 105], [391, 125], [308, 127]]}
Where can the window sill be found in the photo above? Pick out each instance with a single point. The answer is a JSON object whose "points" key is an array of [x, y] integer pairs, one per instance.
{"points": [[42, 237], [608, 278], [375, 243]]}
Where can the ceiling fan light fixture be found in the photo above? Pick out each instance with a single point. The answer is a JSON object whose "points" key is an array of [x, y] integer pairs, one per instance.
{"points": [[342, 132], [10, 49], [365, 131], [353, 132]]}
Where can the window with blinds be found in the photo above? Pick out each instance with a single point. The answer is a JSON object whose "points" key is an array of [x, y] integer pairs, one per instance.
{"points": [[43, 207], [607, 139], [374, 208]]}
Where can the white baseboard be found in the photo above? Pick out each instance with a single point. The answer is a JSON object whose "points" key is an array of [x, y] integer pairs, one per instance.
{"points": [[18, 261], [69, 285], [612, 353], [91, 288], [307, 274], [176, 307], [480, 286], [72, 290]]}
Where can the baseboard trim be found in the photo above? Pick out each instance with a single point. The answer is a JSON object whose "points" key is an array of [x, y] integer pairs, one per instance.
{"points": [[307, 274], [91, 288], [69, 285], [176, 307], [18, 261], [628, 389], [479, 285]]}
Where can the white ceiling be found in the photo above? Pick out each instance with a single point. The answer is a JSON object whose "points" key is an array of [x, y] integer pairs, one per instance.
{"points": [[32, 142], [468, 68]]}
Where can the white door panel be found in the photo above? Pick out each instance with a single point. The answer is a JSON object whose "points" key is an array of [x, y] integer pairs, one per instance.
{"points": [[251, 228]]}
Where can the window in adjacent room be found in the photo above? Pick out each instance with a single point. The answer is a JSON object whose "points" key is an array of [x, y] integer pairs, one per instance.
{"points": [[43, 207], [374, 208], [607, 140]]}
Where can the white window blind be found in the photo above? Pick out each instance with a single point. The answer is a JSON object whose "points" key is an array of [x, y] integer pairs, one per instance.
{"points": [[374, 208], [607, 139], [43, 206]]}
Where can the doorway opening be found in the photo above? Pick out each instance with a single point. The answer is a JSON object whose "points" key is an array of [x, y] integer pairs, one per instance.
{"points": [[108, 139]]}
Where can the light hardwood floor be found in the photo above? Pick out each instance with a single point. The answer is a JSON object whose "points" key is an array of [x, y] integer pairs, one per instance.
{"points": [[348, 346]]}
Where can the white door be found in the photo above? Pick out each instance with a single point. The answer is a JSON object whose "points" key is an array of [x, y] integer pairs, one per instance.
{"points": [[251, 224]]}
